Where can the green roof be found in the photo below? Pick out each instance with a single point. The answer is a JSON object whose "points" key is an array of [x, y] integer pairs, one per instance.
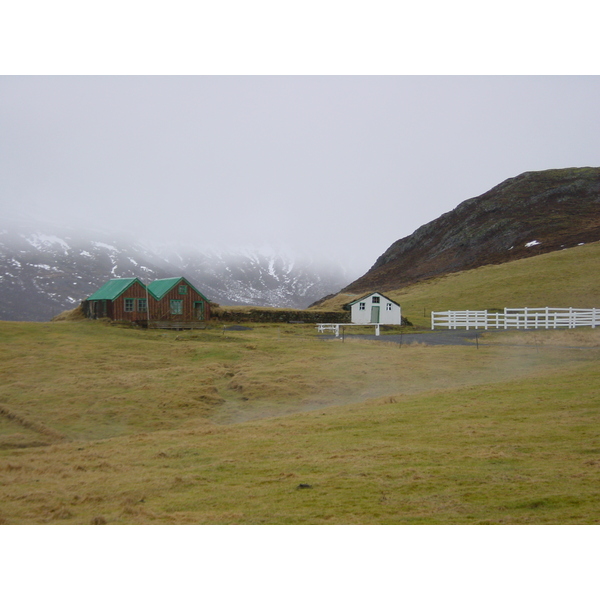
{"points": [[160, 287], [113, 288]]}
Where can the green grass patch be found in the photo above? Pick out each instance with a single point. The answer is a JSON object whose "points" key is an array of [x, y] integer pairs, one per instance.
{"points": [[271, 425]]}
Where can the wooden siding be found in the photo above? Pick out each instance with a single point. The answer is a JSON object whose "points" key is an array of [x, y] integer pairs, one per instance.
{"points": [[161, 310], [116, 309]]}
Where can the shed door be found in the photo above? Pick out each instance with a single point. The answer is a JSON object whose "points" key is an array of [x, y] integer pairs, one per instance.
{"points": [[375, 314], [199, 310], [98, 309]]}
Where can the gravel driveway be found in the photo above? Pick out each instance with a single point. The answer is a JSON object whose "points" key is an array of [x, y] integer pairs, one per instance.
{"points": [[452, 337]]}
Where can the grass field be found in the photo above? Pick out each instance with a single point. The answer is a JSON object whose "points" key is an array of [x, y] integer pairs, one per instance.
{"points": [[101, 424]]}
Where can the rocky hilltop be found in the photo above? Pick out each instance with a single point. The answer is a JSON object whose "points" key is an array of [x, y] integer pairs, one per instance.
{"points": [[530, 214]]}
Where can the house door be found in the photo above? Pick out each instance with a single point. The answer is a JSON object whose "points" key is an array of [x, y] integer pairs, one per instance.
{"points": [[375, 314], [199, 310]]}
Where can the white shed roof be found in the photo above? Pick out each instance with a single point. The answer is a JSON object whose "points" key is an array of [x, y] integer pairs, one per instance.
{"points": [[372, 294]]}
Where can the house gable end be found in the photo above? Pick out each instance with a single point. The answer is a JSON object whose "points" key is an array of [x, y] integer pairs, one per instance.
{"points": [[195, 290], [161, 287], [363, 298]]}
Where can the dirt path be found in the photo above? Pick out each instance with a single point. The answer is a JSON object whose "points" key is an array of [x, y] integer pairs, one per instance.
{"points": [[454, 337]]}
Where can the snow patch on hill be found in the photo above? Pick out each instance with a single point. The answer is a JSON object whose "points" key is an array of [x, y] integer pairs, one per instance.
{"points": [[45, 271]]}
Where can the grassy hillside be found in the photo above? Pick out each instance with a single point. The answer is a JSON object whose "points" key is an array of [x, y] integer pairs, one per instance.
{"points": [[101, 424], [568, 277]]}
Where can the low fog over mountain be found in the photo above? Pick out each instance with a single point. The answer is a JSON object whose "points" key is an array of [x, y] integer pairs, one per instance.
{"points": [[45, 269]]}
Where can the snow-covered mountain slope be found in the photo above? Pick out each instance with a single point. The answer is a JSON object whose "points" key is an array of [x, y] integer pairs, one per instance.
{"points": [[254, 277], [45, 269]]}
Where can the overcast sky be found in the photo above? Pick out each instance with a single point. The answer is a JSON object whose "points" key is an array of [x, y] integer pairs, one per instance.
{"points": [[338, 165], [341, 166]]}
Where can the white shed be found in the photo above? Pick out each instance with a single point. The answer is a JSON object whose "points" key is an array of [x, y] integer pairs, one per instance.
{"points": [[375, 308]]}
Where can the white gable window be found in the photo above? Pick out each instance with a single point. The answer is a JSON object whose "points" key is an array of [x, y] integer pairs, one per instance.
{"points": [[376, 299], [388, 306], [362, 306]]}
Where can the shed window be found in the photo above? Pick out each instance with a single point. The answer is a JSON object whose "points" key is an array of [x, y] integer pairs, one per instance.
{"points": [[376, 299], [183, 289], [388, 306], [176, 307], [129, 304], [362, 306], [142, 305]]}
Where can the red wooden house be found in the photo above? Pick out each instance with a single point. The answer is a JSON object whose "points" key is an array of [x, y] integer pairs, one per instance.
{"points": [[176, 300], [119, 300], [172, 303]]}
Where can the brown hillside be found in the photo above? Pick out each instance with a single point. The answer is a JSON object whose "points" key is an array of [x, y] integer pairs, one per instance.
{"points": [[558, 208]]}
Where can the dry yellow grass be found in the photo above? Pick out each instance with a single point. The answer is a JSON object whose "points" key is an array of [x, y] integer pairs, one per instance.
{"points": [[224, 427], [75, 314], [575, 338]]}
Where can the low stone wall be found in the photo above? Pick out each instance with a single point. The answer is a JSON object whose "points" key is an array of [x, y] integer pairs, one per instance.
{"points": [[279, 315]]}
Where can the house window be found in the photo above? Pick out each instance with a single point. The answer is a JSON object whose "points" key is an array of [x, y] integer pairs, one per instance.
{"points": [[183, 289], [376, 299], [176, 307], [142, 305], [388, 306], [362, 306], [129, 304]]}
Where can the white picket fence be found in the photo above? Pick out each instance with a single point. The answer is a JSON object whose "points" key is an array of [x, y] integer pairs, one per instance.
{"points": [[519, 318], [335, 327]]}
